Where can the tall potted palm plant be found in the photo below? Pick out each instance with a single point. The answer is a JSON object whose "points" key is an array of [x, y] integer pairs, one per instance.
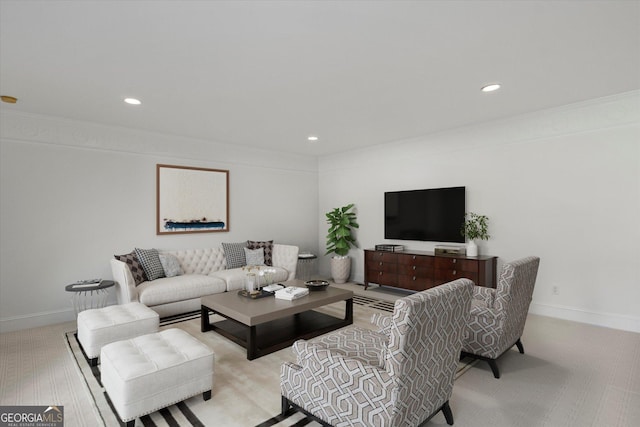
{"points": [[340, 239]]}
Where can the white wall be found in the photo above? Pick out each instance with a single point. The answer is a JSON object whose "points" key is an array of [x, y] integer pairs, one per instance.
{"points": [[563, 184], [72, 194]]}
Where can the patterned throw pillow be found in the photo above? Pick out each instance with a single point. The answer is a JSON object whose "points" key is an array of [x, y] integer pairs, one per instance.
{"points": [[134, 266], [268, 249], [234, 252], [150, 263], [254, 256], [170, 265]]}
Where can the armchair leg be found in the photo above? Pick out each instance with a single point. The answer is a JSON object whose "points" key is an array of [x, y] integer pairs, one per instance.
{"points": [[494, 368], [446, 411], [285, 405], [520, 347]]}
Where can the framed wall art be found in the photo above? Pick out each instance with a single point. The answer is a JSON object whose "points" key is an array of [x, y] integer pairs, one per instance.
{"points": [[191, 200]]}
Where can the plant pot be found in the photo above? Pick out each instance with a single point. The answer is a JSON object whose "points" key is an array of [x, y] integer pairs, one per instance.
{"points": [[340, 268], [472, 248]]}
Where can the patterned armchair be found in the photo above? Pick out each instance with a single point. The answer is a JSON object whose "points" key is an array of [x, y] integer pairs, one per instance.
{"points": [[401, 375], [498, 315]]}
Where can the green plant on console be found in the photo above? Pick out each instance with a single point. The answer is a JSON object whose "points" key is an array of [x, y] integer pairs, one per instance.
{"points": [[341, 224], [475, 226]]}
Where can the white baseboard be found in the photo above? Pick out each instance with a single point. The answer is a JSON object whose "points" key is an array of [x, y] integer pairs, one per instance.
{"points": [[608, 320], [34, 320]]}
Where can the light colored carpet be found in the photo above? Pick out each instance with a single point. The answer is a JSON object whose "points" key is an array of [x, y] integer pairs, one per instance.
{"points": [[36, 368], [571, 375], [245, 393]]}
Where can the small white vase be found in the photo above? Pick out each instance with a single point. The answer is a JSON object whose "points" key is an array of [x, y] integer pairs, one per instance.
{"points": [[340, 268], [472, 248]]}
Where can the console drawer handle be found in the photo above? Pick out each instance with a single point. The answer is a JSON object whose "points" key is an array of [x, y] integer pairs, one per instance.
{"points": [[454, 261], [414, 278], [380, 263], [414, 267], [454, 272], [380, 273]]}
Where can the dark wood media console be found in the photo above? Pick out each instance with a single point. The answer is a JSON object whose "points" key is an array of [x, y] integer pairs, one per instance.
{"points": [[420, 270]]}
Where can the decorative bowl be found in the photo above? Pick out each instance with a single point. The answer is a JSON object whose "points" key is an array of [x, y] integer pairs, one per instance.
{"points": [[316, 285]]}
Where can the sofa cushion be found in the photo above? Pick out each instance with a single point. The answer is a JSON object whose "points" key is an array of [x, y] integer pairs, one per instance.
{"points": [[254, 256], [170, 265], [134, 266], [268, 249], [235, 277], [278, 274], [234, 252], [200, 261], [150, 263], [178, 288]]}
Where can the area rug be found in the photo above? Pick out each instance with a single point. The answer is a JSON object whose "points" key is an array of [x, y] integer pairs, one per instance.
{"points": [[245, 393]]}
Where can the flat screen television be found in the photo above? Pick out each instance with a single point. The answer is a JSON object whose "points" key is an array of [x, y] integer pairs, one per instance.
{"points": [[433, 215]]}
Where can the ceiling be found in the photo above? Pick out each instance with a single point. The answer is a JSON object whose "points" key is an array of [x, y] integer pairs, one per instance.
{"points": [[267, 74]]}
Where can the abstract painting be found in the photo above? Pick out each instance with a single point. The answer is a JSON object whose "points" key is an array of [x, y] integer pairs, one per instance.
{"points": [[191, 199]]}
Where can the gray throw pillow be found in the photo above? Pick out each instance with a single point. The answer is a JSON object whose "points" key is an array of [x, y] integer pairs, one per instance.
{"points": [[234, 253], [170, 265], [150, 263], [267, 245], [254, 256]]}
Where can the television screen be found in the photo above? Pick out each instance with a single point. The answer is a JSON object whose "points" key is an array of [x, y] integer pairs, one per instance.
{"points": [[434, 215]]}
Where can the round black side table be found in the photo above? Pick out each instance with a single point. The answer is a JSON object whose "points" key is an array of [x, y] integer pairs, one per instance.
{"points": [[306, 266], [91, 295]]}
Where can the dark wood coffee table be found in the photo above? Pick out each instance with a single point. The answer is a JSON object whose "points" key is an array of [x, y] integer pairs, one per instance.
{"points": [[265, 325]]}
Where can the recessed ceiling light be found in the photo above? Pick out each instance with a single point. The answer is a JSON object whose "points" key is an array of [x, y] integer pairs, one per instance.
{"points": [[490, 88], [132, 101], [312, 138]]}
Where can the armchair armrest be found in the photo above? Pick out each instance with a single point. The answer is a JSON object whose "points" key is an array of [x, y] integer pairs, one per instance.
{"points": [[351, 373], [486, 295], [382, 321], [125, 285], [489, 318]]}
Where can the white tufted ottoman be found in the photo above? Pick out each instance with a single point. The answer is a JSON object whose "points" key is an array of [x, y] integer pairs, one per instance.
{"points": [[99, 327], [151, 372]]}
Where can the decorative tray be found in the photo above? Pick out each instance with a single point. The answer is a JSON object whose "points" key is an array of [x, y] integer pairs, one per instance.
{"points": [[255, 294]]}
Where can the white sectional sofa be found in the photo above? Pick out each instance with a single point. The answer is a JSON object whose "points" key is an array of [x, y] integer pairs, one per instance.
{"points": [[204, 273]]}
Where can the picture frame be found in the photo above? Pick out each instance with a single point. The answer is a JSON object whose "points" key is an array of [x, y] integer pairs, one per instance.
{"points": [[191, 200]]}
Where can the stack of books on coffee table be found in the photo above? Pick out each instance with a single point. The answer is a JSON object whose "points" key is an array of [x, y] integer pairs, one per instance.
{"points": [[292, 292]]}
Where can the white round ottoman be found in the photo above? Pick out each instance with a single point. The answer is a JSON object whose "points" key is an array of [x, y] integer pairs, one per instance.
{"points": [[145, 374], [99, 327]]}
